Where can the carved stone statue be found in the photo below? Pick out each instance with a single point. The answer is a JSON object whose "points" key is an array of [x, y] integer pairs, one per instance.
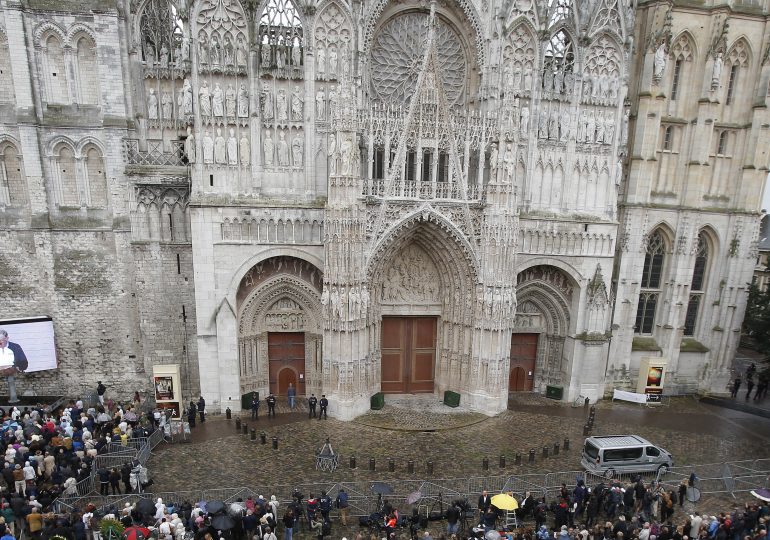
{"points": [[281, 106], [230, 101], [321, 60], [244, 150], [581, 128], [149, 53], [243, 102], [220, 148], [590, 133], [265, 55], [266, 101], [493, 158], [184, 101], [218, 101], [296, 105], [320, 104], [283, 150], [346, 154], [205, 100], [241, 54], [203, 50], [609, 128], [509, 162], [333, 103], [208, 148], [659, 63], [558, 81], [624, 128], [185, 53], [216, 51], [268, 146], [296, 55], [332, 151], [280, 57], [600, 127], [553, 125], [296, 150], [163, 56], [527, 79], [716, 72], [189, 146], [564, 125], [232, 148], [586, 87], [524, 120], [152, 105], [229, 52], [542, 125], [167, 106], [332, 62]]}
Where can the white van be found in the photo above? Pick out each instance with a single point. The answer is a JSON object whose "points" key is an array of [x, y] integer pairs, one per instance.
{"points": [[615, 454]]}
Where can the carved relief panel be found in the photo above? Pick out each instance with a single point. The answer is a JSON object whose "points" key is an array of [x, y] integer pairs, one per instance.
{"points": [[334, 45], [412, 278], [281, 41]]}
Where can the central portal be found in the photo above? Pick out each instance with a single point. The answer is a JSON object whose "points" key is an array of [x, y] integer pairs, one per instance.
{"points": [[408, 354]]}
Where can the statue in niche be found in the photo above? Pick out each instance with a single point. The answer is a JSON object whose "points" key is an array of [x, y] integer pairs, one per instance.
{"points": [[509, 163], [542, 125], [346, 154], [220, 148], [604, 86], [216, 51], [229, 52], [268, 146], [609, 135], [345, 59], [203, 50], [283, 150], [177, 58], [590, 132], [189, 146], [184, 55], [296, 150], [230, 101], [280, 57], [333, 101], [281, 106], [553, 125], [320, 104], [243, 102], [581, 129], [364, 300], [507, 77], [524, 120], [152, 105], [600, 132], [296, 55], [659, 62], [516, 80], [548, 79], [205, 100], [167, 106], [296, 105], [624, 129], [595, 90], [321, 59], [716, 72], [564, 125], [244, 150], [208, 148], [515, 114], [618, 172], [149, 53], [163, 56], [325, 297], [586, 87], [332, 62], [569, 82], [241, 53], [184, 99], [334, 300], [353, 304], [218, 101], [265, 55], [527, 79], [232, 148], [558, 82], [493, 157], [266, 101], [332, 152], [614, 87]]}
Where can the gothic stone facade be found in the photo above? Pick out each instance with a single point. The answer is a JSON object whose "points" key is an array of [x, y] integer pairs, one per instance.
{"points": [[355, 197]]}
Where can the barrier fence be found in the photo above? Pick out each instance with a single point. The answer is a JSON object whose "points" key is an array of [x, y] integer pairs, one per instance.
{"points": [[730, 478]]}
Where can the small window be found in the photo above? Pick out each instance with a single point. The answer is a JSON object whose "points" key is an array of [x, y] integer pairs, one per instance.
{"points": [[591, 451], [426, 166], [378, 169], [722, 145], [410, 163], [732, 81], [443, 167], [652, 451], [623, 454], [668, 137], [675, 83]]}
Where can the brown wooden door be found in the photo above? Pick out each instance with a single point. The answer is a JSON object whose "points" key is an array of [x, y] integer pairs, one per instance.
{"points": [[523, 357], [408, 354], [286, 355]]}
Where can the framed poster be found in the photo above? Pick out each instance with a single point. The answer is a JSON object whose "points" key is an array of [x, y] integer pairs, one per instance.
{"points": [[164, 388]]}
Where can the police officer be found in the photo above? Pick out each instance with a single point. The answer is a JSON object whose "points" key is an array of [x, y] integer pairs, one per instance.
{"points": [[325, 504], [324, 403], [312, 400], [255, 407], [271, 405]]}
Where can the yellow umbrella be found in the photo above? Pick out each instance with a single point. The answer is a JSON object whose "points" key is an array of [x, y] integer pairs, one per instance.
{"points": [[503, 501]]}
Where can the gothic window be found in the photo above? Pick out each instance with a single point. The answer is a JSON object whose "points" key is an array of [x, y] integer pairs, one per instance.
{"points": [[66, 171], [682, 54], [519, 59], [738, 60], [427, 166], [6, 79], [96, 178], [55, 71], [87, 72], [675, 82], [378, 167], [722, 143], [731, 82], [333, 38], [697, 285], [163, 34], [443, 167], [13, 189], [559, 10], [651, 283], [222, 45], [559, 57], [668, 138], [410, 165], [280, 30]]}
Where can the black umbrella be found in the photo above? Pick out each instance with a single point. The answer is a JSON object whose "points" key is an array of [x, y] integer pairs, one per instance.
{"points": [[145, 506], [214, 507], [381, 488], [222, 523]]}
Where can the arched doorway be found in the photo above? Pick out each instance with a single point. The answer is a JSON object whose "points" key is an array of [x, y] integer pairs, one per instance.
{"points": [[518, 380], [523, 360], [279, 326]]}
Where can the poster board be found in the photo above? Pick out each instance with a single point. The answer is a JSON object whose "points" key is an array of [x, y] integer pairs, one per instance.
{"points": [[652, 376], [167, 388]]}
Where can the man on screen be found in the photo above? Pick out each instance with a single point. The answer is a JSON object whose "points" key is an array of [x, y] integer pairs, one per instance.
{"points": [[12, 361]]}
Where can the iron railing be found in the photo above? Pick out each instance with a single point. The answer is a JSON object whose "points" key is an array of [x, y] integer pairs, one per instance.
{"points": [[158, 153]]}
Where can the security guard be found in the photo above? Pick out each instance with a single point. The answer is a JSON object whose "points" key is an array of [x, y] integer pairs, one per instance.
{"points": [[270, 405], [312, 401], [324, 403]]}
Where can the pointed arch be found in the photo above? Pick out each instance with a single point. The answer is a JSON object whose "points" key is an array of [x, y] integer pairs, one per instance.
{"points": [[7, 91], [13, 184], [561, 13], [604, 56], [520, 53], [86, 69], [607, 20], [522, 11], [684, 47], [52, 63], [76, 31], [333, 30], [740, 53], [66, 174], [96, 175]]}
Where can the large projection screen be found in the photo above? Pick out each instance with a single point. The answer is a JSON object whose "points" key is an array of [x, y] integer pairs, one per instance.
{"points": [[34, 335]]}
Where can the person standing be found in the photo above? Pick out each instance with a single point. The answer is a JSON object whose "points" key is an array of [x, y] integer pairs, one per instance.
{"points": [[202, 409], [255, 407], [311, 402], [342, 504], [12, 361], [291, 393], [736, 387], [191, 414], [100, 390], [271, 405], [324, 403], [749, 387], [288, 523]]}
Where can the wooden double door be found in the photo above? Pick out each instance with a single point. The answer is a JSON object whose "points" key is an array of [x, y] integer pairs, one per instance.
{"points": [[286, 359], [408, 354], [523, 358]]}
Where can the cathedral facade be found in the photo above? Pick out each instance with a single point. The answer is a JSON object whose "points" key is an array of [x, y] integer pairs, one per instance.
{"points": [[355, 197]]}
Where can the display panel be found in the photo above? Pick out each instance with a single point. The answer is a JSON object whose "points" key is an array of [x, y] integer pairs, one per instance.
{"points": [[30, 345]]}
